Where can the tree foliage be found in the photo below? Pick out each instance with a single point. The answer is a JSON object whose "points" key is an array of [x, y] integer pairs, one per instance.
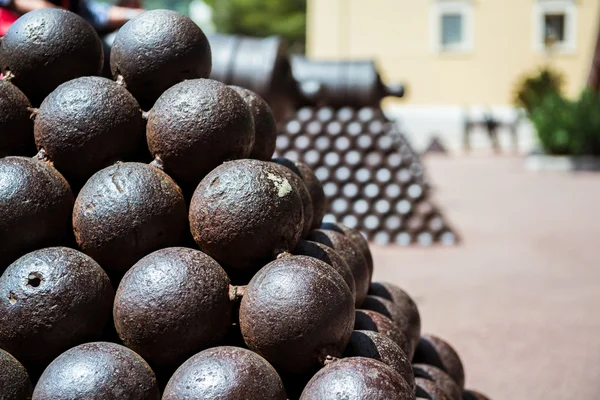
{"points": [[532, 89], [286, 18]]}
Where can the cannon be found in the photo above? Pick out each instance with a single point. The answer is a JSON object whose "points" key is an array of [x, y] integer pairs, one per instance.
{"points": [[341, 83], [373, 179], [261, 65]]}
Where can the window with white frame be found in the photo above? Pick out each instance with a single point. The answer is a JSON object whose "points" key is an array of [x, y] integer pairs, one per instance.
{"points": [[555, 25], [452, 25]]}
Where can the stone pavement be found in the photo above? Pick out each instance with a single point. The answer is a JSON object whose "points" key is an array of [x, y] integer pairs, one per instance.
{"points": [[520, 297]]}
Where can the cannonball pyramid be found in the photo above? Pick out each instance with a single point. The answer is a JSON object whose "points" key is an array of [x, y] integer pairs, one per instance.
{"points": [[370, 173], [126, 275]]}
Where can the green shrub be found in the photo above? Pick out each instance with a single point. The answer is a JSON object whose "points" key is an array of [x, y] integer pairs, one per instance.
{"points": [[566, 127], [552, 120], [586, 122], [532, 89]]}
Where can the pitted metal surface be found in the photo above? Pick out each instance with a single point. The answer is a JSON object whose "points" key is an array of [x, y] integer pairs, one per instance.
{"points": [[351, 254], [172, 304], [16, 126], [48, 47], [435, 351], [50, 300], [197, 125], [98, 371], [245, 213], [296, 312], [36, 203], [87, 124], [126, 211], [357, 378], [265, 127], [157, 50], [14, 380], [379, 347], [225, 373], [368, 320]]}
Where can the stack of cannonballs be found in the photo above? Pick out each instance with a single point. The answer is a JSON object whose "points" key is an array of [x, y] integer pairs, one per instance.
{"points": [[111, 289], [374, 180]]}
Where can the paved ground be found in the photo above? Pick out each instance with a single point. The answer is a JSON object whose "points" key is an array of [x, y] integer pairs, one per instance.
{"points": [[520, 298]]}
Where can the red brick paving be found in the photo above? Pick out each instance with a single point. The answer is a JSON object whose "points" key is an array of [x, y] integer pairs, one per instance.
{"points": [[520, 297]]}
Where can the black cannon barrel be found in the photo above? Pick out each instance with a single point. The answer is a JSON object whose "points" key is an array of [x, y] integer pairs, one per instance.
{"points": [[259, 64], [341, 83]]}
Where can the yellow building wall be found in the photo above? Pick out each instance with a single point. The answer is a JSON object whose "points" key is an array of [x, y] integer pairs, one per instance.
{"points": [[397, 33]]}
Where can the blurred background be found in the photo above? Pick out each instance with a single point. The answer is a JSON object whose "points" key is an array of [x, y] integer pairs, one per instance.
{"points": [[464, 62], [488, 213]]}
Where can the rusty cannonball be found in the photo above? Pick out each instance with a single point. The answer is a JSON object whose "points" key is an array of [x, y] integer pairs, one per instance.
{"points": [[47, 47], [225, 373], [14, 379], [405, 303], [474, 395], [171, 304], [156, 50], [317, 194], [440, 378], [357, 378], [50, 300], [87, 124], [434, 351], [429, 389], [379, 347], [16, 126], [300, 187], [396, 314], [245, 213], [265, 127], [127, 211], [357, 238], [367, 320], [328, 256], [296, 312], [351, 254], [98, 371], [197, 125], [36, 203], [314, 186]]}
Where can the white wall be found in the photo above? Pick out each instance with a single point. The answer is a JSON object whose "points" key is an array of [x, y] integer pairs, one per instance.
{"points": [[421, 123]]}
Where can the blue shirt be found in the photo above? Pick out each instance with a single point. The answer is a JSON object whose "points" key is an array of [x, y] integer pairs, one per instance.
{"points": [[96, 14]]}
